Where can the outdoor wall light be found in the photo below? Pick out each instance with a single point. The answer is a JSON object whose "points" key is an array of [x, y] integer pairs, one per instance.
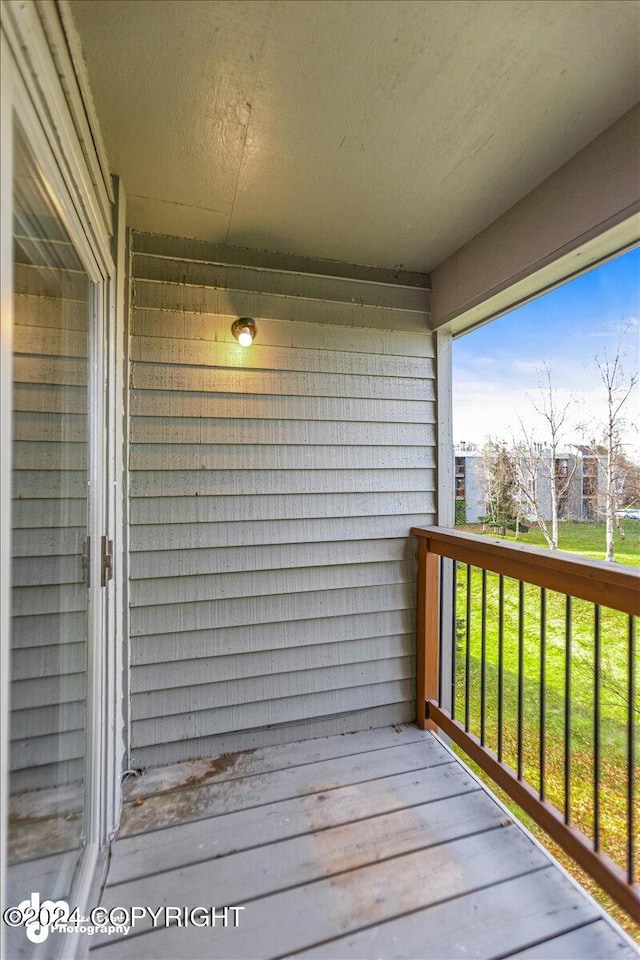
{"points": [[244, 330]]}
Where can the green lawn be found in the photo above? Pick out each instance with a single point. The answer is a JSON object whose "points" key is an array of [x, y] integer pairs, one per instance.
{"points": [[550, 656], [587, 539]]}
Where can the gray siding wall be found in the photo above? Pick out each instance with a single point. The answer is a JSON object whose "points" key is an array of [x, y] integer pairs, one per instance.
{"points": [[272, 493], [48, 597]]}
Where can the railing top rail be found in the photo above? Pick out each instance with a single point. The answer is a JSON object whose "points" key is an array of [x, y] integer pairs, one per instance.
{"points": [[612, 585]]}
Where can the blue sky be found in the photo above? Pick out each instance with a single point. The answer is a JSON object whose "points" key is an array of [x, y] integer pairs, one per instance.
{"points": [[498, 368]]}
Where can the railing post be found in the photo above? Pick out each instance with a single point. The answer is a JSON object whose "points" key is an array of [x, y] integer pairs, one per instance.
{"points": [[428, 632]]}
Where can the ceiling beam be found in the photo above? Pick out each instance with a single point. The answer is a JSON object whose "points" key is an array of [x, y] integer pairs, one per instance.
{"points": [[585, 212]]}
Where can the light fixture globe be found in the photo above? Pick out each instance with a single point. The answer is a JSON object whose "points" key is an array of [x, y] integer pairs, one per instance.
{"points": [[244, 330]]}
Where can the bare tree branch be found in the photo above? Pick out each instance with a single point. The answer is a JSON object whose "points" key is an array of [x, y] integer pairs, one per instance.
{"points": [[540, 471], [618, 387]]}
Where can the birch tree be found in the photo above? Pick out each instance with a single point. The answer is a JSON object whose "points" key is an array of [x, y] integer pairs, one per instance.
{"points": [[618, 388], [541, 486]]}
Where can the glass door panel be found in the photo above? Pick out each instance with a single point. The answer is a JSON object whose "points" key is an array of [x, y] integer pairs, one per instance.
{"points": [[53, 320]]}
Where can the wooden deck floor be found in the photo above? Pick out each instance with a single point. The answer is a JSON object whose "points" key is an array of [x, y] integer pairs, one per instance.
{"points": [[376, 844]]}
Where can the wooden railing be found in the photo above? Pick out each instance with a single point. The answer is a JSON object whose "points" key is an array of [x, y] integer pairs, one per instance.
{"points": [[483, 675]]}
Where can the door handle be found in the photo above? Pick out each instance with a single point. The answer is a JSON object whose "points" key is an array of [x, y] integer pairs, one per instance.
{"points": [[106, 561]]}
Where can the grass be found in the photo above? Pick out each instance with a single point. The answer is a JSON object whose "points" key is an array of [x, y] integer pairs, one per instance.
{"points": [[536, 656], [587, 539]]}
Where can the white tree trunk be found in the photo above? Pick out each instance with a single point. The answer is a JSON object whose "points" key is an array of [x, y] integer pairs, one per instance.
{"points": [[554, 504], [610, 498], [618, 389]]}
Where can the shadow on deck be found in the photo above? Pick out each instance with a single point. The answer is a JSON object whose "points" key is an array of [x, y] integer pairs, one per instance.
{"points": [[375, 844]]}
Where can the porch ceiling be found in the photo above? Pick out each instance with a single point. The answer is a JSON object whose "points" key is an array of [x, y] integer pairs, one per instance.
{"points": [[385, 133]]}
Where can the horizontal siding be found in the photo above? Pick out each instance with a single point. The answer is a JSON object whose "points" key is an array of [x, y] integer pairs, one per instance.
{"points": [[256, 533], [45, 312], [347, 721], [49, 661], [224, 276], [37, 751], [207, 456], [200, 645], [40, 630], [206, 509], [210, 430], [48, 691], [183, 325], [49, 342], [165, 403], [262, 583], [50, 774], [58, 371], [217, 669], [53, 598], [272, 493], [50, 426], [233, 482], [49, 570], [251, 609], [241, 716], [243, 303], [47, 398], [54, 485], [149, 564], [272, 687], [61, 512], [158, 376], [34, 455], [45, 542], [60, 717], [54, 282], [198, 353], [181, 249], [49, 516]]}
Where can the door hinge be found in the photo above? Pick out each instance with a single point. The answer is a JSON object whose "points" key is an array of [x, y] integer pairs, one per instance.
{"points": [[106, 561], [86, 561]]}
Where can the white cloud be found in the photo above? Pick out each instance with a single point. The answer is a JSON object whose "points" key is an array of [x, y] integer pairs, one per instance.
{"points": [[483, 409]]}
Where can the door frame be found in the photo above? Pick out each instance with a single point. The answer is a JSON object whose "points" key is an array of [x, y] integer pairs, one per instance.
{"points": [[41, 88]]}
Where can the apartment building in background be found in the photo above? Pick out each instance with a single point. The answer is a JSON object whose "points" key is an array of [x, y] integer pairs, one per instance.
{"points": [[579, 474]]}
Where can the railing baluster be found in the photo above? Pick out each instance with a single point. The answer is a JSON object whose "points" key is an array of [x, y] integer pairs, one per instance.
{"points": [[454, 636], [467, 653], [483, 659], [567, 711], [500, 660], [596, 727], [543, 686], [631, 753], [594, 582], [520, 674]]}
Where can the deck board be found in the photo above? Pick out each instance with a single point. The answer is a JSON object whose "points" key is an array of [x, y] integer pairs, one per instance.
{"points": [[485, 923], [247, 876], [268, 759], [392, 851], [255, 789], [595, 941], [147, 853]]}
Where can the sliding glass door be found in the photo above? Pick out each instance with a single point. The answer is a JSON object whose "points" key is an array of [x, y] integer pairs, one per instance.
{"points": [[62, 348], [57, 513]]}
